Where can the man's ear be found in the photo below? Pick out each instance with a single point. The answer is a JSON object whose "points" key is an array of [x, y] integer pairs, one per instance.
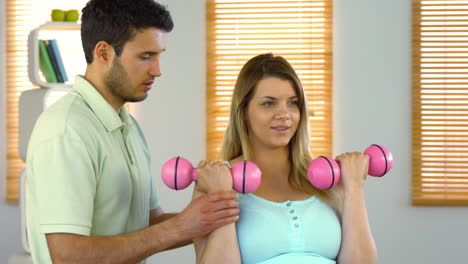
{"points": [[103, 52]]}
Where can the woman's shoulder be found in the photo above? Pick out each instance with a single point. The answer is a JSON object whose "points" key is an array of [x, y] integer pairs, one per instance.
{"points": [[235, 160]]}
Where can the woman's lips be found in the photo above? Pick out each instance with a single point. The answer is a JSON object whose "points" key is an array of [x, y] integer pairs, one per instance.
{"points": [[281, 129]]}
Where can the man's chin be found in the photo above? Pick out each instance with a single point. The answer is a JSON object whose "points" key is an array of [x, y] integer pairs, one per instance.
{"points": [[136, 99]]}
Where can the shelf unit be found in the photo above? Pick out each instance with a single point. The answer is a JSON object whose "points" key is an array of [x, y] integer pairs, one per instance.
{"points": [[33, 52], [34, 101]]}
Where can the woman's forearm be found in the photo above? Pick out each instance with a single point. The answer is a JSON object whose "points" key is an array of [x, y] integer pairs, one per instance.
{"points": [[219, 246], [222, 246], [357, 244]]}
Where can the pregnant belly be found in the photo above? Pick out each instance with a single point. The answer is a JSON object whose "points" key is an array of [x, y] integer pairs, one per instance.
{"points": [[298, 258]]}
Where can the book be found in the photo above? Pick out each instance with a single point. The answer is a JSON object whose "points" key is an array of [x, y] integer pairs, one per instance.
{"points": [[45, 64], [61, 69], [53, 59]]}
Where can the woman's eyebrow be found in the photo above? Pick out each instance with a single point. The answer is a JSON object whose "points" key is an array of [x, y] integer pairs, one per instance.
{"points": [[274, 98], [268, 97]]}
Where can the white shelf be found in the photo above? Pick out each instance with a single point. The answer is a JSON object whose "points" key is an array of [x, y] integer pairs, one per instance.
{"points": [[33, 52]]}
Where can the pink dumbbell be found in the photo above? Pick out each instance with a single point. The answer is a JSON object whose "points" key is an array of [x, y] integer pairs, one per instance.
{"points": [[325, 172], [177, 173]]}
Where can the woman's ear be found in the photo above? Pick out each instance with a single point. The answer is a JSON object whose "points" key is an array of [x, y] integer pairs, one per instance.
{"points": [[244, 106], [245, 116]]}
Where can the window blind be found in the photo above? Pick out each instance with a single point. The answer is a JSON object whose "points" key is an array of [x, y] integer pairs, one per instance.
{"points": [[22, 17], [300, 31], [440, 102]]}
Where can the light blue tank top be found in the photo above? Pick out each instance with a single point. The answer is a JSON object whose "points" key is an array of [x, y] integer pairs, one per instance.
{"points": [[296, 232]]}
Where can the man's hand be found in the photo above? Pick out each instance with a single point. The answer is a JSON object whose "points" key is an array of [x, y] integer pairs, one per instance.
{"points": [[207, 213], [213, 177]]}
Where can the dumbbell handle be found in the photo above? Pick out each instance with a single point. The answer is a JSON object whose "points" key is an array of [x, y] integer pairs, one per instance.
{"points": [[177, 173], [325, 172], [193, 173]]}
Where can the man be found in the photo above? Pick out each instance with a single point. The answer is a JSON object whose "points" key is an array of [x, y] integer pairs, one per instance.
{"points": [[90, 194]]}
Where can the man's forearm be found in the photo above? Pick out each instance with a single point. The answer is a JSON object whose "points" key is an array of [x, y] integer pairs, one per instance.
{"points": [[128, 248], [156, 219], [161, 218], [200, 217]]}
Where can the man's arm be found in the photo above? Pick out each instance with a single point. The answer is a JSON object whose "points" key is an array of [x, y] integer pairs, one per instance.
{"points": [[199, 218], [158, 216]]}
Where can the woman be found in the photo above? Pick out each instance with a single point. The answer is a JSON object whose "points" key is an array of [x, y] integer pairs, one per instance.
{"points": [[286, 220]]}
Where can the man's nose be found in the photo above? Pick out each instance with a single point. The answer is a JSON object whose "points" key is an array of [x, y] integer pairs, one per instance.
{"points": [[155, 69]]}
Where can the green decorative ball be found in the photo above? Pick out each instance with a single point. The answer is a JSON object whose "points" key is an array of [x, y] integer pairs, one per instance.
{"points": [[72, 15], [57, 15]]}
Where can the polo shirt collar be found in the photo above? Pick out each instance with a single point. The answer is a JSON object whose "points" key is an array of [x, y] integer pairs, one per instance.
{"points": [[103, 110]]}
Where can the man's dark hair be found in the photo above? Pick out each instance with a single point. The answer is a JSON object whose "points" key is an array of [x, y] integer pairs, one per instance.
{"points": [[117, 21]]}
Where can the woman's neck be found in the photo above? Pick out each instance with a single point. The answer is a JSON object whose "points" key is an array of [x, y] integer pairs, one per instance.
{"points": [[273, 162], [276, 167]]}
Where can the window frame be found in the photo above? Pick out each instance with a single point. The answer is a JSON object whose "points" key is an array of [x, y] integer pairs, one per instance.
{"points": [[437, 180], [317, 147]]}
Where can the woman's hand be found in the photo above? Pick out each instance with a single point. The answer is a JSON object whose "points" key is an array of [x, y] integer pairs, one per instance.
{"points": [[213, 177], [354, 167]]}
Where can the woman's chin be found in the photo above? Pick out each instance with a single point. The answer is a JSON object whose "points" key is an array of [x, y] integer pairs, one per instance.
{"points": [[280, 144]]}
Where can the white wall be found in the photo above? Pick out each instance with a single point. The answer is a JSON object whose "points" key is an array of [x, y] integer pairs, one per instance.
{"points": [[173, 115], [372, 105]]}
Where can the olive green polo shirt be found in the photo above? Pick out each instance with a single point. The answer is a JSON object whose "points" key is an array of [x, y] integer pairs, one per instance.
{"points": [[88, 171]]}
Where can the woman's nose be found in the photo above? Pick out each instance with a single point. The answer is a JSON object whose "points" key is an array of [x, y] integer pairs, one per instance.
{"points": [[282, 113]]}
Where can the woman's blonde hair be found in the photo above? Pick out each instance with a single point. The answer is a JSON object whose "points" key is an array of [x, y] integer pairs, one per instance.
{"points": [[236, 139]]}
